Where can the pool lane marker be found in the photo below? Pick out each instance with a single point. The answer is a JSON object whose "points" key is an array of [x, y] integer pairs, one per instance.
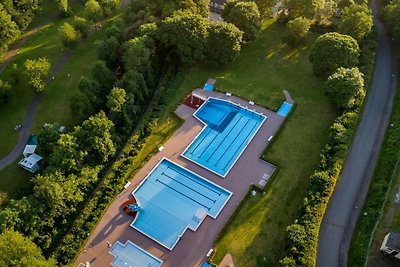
{"points": [[215, 150], [203, 185], [240, 145], [163, 173], [208, 208], [211, 128], [236, 137]]}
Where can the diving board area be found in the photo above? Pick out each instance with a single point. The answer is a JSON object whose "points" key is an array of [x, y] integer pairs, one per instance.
{"points": [[174, 199], [228, 130]]}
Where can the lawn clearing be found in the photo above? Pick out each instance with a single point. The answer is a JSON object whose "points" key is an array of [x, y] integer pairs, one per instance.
{"points": [[53, 107], [266, 67]]}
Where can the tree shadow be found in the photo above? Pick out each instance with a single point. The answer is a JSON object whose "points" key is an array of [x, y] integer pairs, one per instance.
{"points": [[118, 219]]}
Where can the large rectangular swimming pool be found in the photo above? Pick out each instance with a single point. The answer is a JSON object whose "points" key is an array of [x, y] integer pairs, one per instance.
{"points": [[174, 199], [229, 128]]}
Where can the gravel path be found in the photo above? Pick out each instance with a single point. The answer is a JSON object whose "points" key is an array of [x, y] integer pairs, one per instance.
{"points": [[344, 207]]}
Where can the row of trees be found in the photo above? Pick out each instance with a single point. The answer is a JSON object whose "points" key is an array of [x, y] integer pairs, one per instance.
{"points": [[15, 17], [335, 57], [353, 19]]}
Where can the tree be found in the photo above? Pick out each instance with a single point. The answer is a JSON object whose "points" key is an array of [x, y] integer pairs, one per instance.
{"points": [[67, 156], [108, 51], [116, 99], [186, 33], [391, 14], [264, 6], [224, 42], [95, 137], [36, 72], [81, 106], [5, 90], [333, 50], [17, 250], [345, 88], [69, 35], [198, 7], [303, 8], [64, 7], [9, 30], [47, 139], [81, 25], [109, 6], [356, 21], [137, 54], [93, 11], [297, 29], [245, 16]]}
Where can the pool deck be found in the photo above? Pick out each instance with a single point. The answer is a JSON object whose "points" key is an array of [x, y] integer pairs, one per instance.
{"points": [[191, 250]]}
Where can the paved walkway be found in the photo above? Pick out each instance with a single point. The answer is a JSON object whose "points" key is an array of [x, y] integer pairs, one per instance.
{"points": [[191, 250], [344, 208]]}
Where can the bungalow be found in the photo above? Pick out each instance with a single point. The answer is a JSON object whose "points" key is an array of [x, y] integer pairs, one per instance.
{"points": [[391, 245]]}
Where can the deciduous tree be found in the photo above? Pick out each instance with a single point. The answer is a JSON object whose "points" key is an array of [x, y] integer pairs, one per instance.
{"points": [[245, 16], [356, 21], [224, 42], [391, 15], [93, 10], [297, 29], [116, 99], [69, 36], [36, 72], [333, 50], [345, 88]]}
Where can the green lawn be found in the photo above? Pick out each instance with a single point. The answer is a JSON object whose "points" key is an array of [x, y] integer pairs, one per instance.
{"points": [[54, 105], [45, 43], [266, 67]]}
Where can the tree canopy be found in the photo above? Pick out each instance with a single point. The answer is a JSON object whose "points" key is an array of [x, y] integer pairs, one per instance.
{"points": [[303, 8], [116, 99], [224, 42], [69, 36], [187, 33], [297, 29], [391, 15], [17, 250], [9, 30], [245, 16], [36, 72], [93, 10], [356, 21], [333, 50], [345, 88]]}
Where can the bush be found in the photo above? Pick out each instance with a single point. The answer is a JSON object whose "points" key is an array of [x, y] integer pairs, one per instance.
{"points": [[69, 36]]}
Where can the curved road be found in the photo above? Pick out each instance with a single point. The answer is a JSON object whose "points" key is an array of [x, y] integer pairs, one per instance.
{"points": [[344, 207]]}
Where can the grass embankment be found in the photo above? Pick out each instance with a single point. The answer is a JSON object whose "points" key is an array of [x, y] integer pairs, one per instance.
{"points": [[54, 105], [266, 67], [366, 241]]}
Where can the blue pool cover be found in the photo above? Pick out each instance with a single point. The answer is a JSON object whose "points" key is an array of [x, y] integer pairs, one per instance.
{"points": [[229, 129], [208, 87], [285, 109], [131, 255], [174, 199]]}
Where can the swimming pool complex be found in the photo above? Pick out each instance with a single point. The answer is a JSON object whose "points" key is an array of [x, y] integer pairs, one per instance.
{"points": [[229, 129], [174, 199]]}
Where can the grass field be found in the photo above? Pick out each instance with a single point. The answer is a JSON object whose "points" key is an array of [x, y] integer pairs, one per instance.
{"points": [[54, 105], [45, 43], [264, 69]]}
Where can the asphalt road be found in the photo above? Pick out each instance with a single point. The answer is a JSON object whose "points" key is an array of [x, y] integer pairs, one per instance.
{"points": [[344, 207]]}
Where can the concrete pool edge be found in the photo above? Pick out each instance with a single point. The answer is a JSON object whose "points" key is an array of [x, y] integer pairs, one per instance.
{"points": [[205, 125], [187, 227], [134, 245]]}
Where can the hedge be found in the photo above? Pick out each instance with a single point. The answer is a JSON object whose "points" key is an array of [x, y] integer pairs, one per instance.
{"points": [[302, 236]]}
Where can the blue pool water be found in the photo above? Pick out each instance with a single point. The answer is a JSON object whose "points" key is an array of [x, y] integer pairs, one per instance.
{"points": [[285, 109], [131, 255], [229, 128], [174, 199], [208, 87]]}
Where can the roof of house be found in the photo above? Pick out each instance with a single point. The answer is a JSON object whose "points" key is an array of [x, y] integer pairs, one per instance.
{"points": [[393, 241], [30, 163], [28, 150]]}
